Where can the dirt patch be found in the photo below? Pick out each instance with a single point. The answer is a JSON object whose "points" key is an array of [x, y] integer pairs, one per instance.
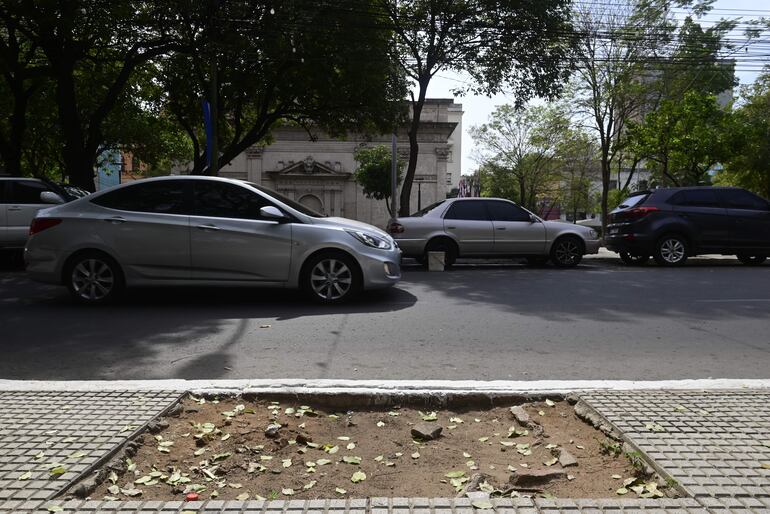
{"points": [[221, 449]]}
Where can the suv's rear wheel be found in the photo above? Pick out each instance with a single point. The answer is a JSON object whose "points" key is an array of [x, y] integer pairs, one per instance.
{"points": [[633, 260], [331, 278], [751, 260], [671, 250], [94, 278], [567, 251]]}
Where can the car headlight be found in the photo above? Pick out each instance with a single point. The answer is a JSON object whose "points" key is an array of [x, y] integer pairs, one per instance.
{"points": [[370, 239], [594, 234]]}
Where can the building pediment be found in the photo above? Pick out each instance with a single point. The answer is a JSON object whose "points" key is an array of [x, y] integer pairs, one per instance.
{"points": [[309, 168]]}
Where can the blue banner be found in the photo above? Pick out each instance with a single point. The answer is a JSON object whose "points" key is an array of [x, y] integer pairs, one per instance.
{"points": [[209, 133]]}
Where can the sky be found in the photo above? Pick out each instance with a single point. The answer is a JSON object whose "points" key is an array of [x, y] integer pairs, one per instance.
{"points": [[478, 108]]}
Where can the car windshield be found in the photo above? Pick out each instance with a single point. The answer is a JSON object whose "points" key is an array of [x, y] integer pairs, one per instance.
{"points": [[426, 210], [288, 201], [632, 201]]}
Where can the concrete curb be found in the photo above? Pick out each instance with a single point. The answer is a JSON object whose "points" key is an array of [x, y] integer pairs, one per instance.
{"points": [[386, 387]]}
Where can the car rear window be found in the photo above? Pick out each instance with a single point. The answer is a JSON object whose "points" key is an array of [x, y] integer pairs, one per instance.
{"points": [[633, 201], [426, 210]]}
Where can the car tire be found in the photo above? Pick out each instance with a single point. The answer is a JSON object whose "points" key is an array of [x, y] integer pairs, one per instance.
{"points": [[671, 250], [94, 278], [331, 278], [537, 262], [442, 245], [567, 252], [751, 260], [633, 260]]}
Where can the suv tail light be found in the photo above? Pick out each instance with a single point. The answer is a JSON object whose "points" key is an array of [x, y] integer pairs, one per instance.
{"points": [[635, 213], [40, 224], [395, 228]]}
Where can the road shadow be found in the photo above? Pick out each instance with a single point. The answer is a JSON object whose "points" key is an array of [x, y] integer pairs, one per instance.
{"points": [[42, 328]]}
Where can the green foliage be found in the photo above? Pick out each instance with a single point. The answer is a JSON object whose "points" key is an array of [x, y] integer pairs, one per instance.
{"points": [[500, 45], [374, 172], [749, 166], [684, 140]]}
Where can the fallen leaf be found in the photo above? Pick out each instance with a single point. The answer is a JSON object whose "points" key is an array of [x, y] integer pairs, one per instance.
{"points": [[57, 471], [340, 490], [540, 412], [54, 508], [323, 462], [551, 462], [309, 485], [358, 476], [431, 416], [580, 447], [456, 420], [379, 458], [455, 474], [25, 476], [286, 463], [287, 491], [622, 491], [344, 438], [333, 449], [242, 497], [380, 424], [570, 477], [351, 459], [416, 455], [550, 403], [617, 477], [507, 443], [131, 492], [351, 446], [483, 439], [113, 489]]}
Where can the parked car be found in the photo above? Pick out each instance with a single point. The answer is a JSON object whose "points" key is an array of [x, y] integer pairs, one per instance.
{"points": [[205, 231], [672, 224], [491, 227], [20, 200]]}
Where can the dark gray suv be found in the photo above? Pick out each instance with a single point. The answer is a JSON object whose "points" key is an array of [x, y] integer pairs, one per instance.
{"points": [[671, 224]]}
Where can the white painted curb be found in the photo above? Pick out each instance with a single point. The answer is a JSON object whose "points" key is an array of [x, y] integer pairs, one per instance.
{"points": [[380, 387]]}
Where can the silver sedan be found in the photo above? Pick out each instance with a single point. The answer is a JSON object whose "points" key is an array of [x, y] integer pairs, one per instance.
{"points": [[205, 231], [491, 227]]}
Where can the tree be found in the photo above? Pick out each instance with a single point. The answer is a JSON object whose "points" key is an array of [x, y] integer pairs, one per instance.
{"points": [[517, 146], [316, 64], [90, 50], [374, 172], [499, 44], [576, 161], [683, 140], [749, 166]]}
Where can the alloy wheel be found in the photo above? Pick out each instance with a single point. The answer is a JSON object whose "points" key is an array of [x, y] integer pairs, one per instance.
{"points": [[92, 279], [331, 279], [672, 251], [567, 252]]}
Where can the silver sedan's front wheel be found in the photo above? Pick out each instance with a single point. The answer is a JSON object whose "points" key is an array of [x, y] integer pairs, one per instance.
{"points": [[567, 251], [94, 278], [332, 278]]}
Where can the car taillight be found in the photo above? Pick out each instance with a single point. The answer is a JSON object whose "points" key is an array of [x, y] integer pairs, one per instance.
{"points": [[40, 224], [395, 228], [636, 213]]}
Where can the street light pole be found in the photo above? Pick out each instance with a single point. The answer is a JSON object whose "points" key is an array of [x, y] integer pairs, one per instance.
{"points": [[213, 95], [393, 177]]}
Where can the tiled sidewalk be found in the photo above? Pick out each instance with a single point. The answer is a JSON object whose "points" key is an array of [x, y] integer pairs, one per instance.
{"points": [[71, 431], [712, 443]]}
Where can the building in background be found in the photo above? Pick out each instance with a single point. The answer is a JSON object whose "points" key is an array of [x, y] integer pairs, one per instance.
{"points": [[117, 167], [319, 173]]}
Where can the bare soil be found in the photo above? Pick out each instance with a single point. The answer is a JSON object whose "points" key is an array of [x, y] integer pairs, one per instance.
{"points": [[315, 453]]}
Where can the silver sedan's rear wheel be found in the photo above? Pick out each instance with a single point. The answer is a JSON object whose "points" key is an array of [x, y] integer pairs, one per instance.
{"points": [[567, 252], [332, 278], [94, 278]]}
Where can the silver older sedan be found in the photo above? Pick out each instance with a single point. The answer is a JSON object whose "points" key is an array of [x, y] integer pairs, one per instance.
{"points": [[204, 231], [491, 227]]}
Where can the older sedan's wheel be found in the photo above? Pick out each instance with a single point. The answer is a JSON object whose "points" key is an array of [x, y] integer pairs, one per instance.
{"points": [[671, 250], [567, 252], [332, 278], [94, 278]]}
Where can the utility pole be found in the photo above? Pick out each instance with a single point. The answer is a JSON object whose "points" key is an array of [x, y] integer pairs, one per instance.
{"points": [[393, 178]]}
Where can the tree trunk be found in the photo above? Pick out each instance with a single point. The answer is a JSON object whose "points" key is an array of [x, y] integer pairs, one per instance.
{"points": [[606, 171], [414, 126]]}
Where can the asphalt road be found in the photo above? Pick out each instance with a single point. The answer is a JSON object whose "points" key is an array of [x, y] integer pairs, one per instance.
{"points": [[485, 322]]}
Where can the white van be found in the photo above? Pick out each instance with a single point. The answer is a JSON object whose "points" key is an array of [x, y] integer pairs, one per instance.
{"points": [[20, 199]]}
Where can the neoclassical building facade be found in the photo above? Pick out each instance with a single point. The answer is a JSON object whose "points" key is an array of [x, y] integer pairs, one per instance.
{"points": [[319, 173]]}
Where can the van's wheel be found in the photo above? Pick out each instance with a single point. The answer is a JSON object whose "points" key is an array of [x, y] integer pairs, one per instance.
{"points": [[633, 260], [442, 245], [567, 252], [94, 278], [751, 260], [671, 250], [331, 278]]}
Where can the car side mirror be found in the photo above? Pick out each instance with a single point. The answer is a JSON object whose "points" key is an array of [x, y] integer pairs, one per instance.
{"points": [[51, 197], [532, 218], [273, 213]]}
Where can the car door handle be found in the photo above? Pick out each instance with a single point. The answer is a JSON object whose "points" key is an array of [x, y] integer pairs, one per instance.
{"points": [[451, 228], [115, 220], [500, 228], [14, 208], [207, 227]]}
